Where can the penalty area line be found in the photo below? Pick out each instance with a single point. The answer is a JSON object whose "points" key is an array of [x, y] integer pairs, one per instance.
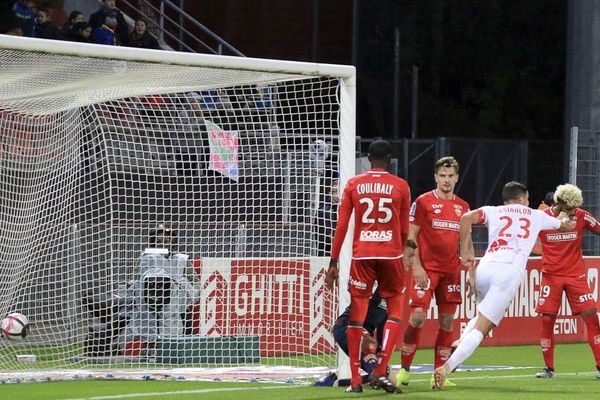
{"points": [[179, 392]]}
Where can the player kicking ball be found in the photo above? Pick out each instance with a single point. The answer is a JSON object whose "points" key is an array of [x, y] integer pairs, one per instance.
{"points": [[512, 229]]}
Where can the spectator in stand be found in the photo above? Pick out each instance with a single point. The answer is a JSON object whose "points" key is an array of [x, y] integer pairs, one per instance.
{"points": [[44, 27], [81, 32], [74, 17], [24, 10], [10, 24], [108, 24], [140, 37]]}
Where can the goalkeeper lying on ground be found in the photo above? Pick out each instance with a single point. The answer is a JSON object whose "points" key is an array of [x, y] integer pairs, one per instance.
{"points": [[374, 322]]}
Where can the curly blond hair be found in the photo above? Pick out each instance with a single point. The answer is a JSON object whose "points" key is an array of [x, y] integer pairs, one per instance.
{"points": [[569, 195]]}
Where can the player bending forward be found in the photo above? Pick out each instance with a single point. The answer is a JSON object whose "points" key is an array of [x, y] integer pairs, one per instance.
{"points": [[512, 231], [380, 202], [564, 271]]}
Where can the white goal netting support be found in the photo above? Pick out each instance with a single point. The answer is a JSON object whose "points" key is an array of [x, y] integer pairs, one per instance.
{"points": [[163, 210]]}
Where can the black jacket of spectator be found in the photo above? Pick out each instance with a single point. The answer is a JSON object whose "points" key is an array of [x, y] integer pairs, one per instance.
{"points": [[146, 41], [48, 30]]}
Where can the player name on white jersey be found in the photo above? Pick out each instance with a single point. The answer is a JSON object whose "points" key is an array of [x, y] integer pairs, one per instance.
{"points": [[561, 237], [383, 188], [443, 224], [516, 210]]}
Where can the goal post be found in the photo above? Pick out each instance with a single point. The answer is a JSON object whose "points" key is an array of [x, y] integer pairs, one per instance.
{"points": [[166, 210]]}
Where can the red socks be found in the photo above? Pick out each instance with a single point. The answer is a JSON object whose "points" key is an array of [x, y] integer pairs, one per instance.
{"points": [[354, 336], [547, 339], [593, 333], [412, 336], [443, 342], [390, 336]]}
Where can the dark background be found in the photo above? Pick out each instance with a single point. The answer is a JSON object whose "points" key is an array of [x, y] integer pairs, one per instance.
{"points": [[488, 69]]}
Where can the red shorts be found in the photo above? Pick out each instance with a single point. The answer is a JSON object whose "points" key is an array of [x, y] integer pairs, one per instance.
{"points": [[578, 293], [445, 286], [389, 274]]}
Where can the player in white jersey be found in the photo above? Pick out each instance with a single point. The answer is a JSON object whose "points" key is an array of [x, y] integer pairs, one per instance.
{"points": [[512, 231]]}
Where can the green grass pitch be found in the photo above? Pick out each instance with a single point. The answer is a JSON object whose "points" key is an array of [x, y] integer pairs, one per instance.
{"points": [[574, 379]]}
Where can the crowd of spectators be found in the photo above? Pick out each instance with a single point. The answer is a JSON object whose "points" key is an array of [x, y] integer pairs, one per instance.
{"points": [[105, 26]]}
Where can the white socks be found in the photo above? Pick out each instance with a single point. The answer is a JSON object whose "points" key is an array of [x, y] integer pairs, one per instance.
{"points": [[470, 326], [466, 348]]}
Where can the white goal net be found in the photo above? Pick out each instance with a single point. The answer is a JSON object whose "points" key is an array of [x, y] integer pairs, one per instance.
{"points": [[167, 210]]}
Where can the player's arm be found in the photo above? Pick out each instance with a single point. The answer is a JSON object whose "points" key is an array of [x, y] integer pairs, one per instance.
{"points": [[591, 223], [344, 213], [421, 278], [404, 213], [467, 251], [565, 222]]}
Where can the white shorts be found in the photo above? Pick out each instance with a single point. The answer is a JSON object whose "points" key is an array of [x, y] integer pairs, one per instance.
{"points": [[497, 284]]}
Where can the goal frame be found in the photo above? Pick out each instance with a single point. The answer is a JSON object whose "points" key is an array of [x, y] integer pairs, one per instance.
{"points": [[347, 99]]}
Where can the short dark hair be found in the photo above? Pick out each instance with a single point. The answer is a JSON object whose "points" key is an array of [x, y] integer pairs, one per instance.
{"points": [[446, 162], [74, 14], [513, 190], [549, 199], [380, 150]]}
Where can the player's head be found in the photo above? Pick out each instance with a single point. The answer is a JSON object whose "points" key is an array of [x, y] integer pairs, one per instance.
{"points": [[380, 153], [568, 197], [515, 192], [549, 199], [446, 174]]}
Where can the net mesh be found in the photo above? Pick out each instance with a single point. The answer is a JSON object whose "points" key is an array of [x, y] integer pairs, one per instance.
{"points": [[161, 215]]}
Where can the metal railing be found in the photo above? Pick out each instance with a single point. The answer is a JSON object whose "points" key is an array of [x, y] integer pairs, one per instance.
{"points": [[172, 26]]}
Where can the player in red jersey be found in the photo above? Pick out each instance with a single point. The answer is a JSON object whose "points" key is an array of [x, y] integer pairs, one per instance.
{"points": [[434, 228], [563, 270], [380, 202]]}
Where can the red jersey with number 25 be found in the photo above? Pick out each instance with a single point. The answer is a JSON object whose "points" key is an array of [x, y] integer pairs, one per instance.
{"points": [[561, 251], [380, 202], [439, 226]]}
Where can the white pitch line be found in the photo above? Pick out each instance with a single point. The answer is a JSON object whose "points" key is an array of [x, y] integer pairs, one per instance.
{"points": [[201, 391], [474, 378], [178, 392]]}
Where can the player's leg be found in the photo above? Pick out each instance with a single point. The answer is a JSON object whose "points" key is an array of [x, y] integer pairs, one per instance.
{"points": [[391, 281], [582, 302], [360, 286], [448, 296], [502, 284], [420, 298], [549, 301], [590, 317]]}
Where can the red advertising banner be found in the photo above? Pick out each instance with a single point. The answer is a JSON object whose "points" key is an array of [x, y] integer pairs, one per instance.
{"points": [[521, 324], [282, 301]]}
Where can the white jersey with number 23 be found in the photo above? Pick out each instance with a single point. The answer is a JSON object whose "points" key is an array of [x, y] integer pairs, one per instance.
{"points": [[512, 231]]}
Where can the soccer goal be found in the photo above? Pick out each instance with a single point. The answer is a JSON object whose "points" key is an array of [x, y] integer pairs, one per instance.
{"points": [[164, 210]]}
